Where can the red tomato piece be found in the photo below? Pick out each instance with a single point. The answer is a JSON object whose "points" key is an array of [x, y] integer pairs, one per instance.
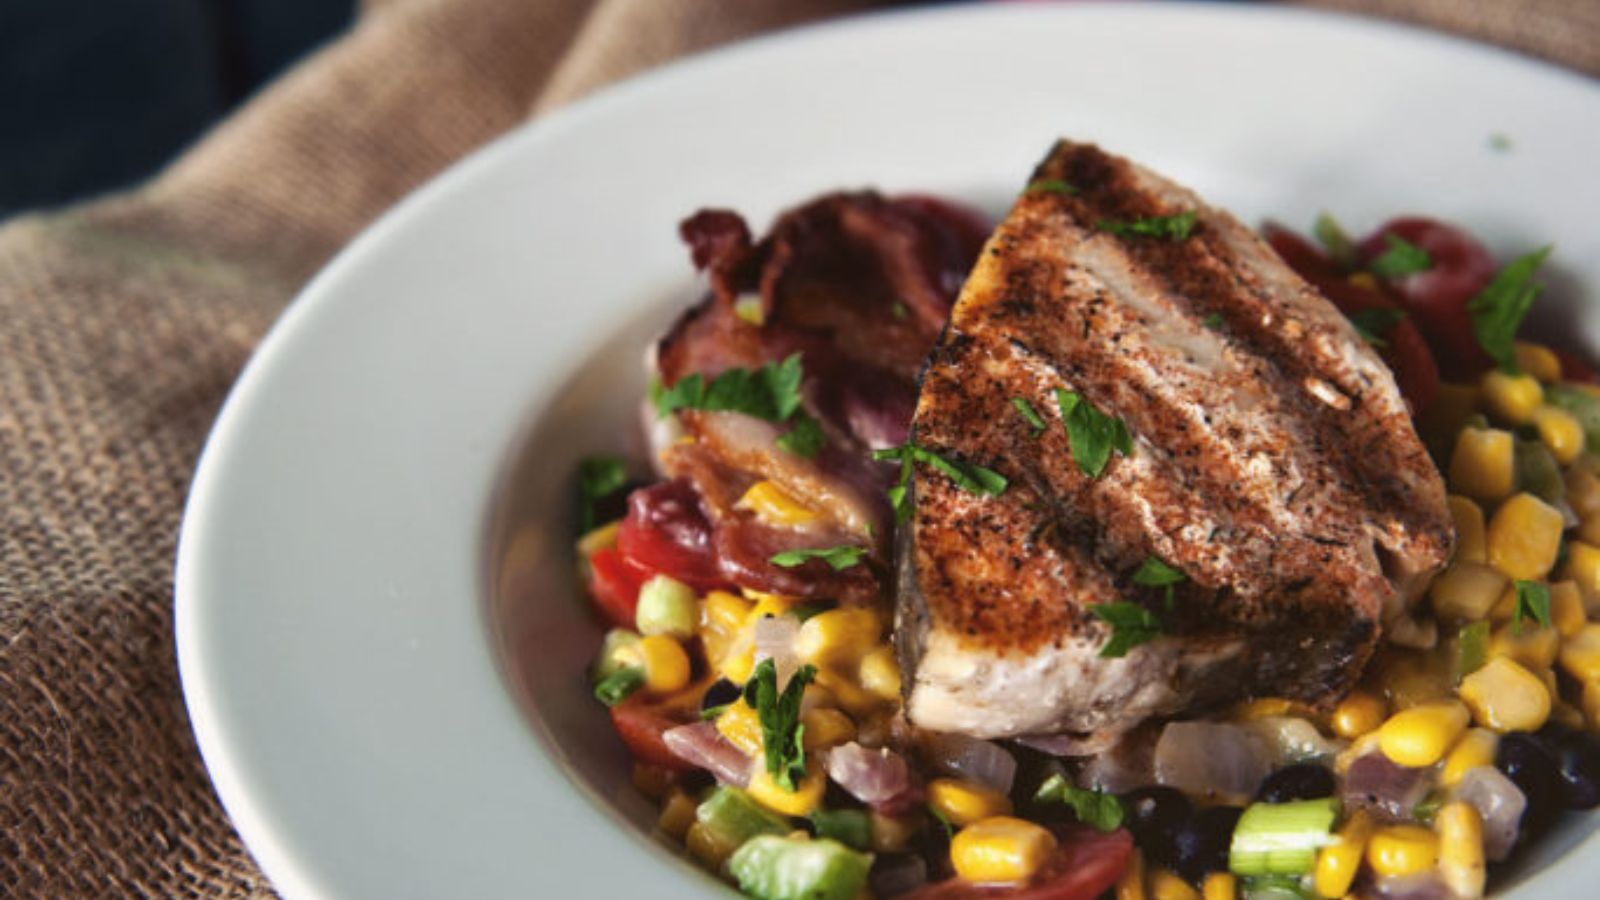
{"points": [[1575, 367], [1086, 864], [641, 723], [666, 532], [614, 586], [1437, 297]]}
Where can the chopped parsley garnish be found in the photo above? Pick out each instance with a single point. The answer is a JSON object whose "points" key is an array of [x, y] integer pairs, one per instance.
{"points": [[942, 819], [1092, 433], [805, 438], [771, 392], [1155, 573], [1374, 324], [840, 558], [969, 477], [782, 735], [1400, 258], [1173, 228], [1131, 625], [1472, 648], [1026, 410], [1101, 810], [1497, 312], [1334, 239], [1214, 321], [1533, 602], [616, 687], [598, 478], [1050, 186]]}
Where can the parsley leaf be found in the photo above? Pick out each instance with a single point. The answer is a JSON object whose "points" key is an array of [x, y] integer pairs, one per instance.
{"points": [[1334, 239], [1214, 321], [968, 476], [1050, 186], [1472, 648], [1101, 810], [1092, 433], [1131, 625], [782, 735], [1497, 312], [598, 478], [1373, 324], [840, 558], [1026, 410], [1173, 228], [942, 819], [1155, 573], [1400, 258], [1533, 602], [771, 392], [805, 439]]}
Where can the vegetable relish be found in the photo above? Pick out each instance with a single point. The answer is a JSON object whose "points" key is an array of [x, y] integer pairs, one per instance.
{"points": [[768, 725]]}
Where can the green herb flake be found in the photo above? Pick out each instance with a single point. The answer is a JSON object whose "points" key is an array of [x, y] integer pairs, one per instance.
{"points": [[949, 829], [713, 713], [1497, 312], [1214, 321], [1028, 413], [805, 439], [1102, 811], [1131, 625], [1400, 258], [771, 392], [598, 478], [1472, 648], [1375, 324], [616, 687], [1172, 228], [1050, 186], [1533, 602], [1334, 239], [1155, 573], [840, 558], [1092, 434], [969, 477], [782, 735]]}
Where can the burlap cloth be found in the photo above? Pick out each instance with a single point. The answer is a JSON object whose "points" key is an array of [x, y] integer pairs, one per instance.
{"points": [[123, 322]]}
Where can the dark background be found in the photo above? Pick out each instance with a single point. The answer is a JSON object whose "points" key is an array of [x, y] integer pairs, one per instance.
{"points": [[97, 95]]}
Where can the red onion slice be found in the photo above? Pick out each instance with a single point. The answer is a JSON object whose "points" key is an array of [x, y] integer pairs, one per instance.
{"points": [[702, 745], [871, 776], [985, 762], [1499, 802]]}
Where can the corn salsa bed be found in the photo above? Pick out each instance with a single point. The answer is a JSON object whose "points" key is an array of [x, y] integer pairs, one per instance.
{"points": [[750, 669]]}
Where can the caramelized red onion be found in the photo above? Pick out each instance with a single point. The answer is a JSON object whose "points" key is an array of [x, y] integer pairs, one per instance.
{"points": [[977, 760], [703, 746], [872, 776], [1377, 783], [1499, 802]]}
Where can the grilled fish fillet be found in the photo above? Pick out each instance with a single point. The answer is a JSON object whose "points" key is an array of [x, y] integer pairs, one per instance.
{"points": [[1274, 463]]}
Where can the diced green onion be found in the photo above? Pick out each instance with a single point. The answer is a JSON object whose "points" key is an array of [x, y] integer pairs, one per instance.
{"points": [[611, 658], [1275, 887], [850, 827], [1472, 648], [666, 606], [735, 818], [798, 868], [616, 687], [1281, 838]]}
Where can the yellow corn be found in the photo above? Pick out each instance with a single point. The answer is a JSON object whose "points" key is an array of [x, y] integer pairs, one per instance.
{"points": [[1358, 713], [738, 663], [826, 728], [1165, 885], [965, 802], [768, 605], [851, 697], [880, 673], [1402, 850], [1580, 654], [598, 539], [677, 814], [1419, 736], [1583, 491], [1583, 567], [1566, 608], [1220, 886], [722, 626], [1461, 863], [1338, 863], [742, 727], [709, 846], [1482, 464], [1131, 885], [1527, 643], [1568, 716], [1524, 537], [1537, 360], [1506, 697], [1560, 432], [1468, 517], [1589, 529], [1000, 850], [666, 666], [1358, 748], [723, 612], [802, 801], [1591, 704], [1267, 708], [891, 834], [1476, 748], [1466, 590], [1504, 609], [1513, 398], [776, 506], [838, 637]]}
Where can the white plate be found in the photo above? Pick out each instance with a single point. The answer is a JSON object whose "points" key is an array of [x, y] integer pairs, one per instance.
{"points": [[347, 585]]}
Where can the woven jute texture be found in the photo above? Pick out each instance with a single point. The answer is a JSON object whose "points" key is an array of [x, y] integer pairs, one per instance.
{"points": [[123, 322]]}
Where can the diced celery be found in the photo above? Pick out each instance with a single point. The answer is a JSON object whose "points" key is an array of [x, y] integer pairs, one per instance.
{"points": [[735, 817], [850, 827], [1538, 473], [1585, 407], [799, 868], [1281, 838], [609, 660], [1274, 887], [666, 606]]}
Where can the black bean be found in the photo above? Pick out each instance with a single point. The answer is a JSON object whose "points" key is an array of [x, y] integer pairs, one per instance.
{"points": [[1530, 764], [1200, 845], [1578, 765], [1301, 781], [1154, 815], [720, 693]]}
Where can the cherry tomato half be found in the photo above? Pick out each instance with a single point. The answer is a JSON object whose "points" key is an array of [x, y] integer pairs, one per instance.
{"points": [[666, 532], [641, 723], [1085, 865], [614, 586]]}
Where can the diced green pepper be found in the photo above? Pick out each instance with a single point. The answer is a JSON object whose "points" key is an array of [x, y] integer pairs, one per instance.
{"points": [[799, 868], [1538, 473], [735, 817], [850, 827]]}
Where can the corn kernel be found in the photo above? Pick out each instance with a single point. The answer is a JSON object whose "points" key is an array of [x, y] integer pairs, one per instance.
{"points": [[1526, 643], [1583, 491], [776, 506], [738, 663], [1338, 862], [1583, 567], [1591, 704], [677, 815], [1358, 713], [1266, 708], [1000, 850], [1402, 850], [802, 801], [666, 665], [1461, 862], [1524, 537], [742, 727], [1589, 529], [880, 673], [1419, 736], [1476, 748], [1165, 885], [768, 605], [708, 845], [1131, 885], [1537, 360], [1468, 518], [1482, 465], [1513, 398], [851, 697], [597, 539], [1568, 716], [1220, 886], [965, 802], [1580, 654], [1506, 697], [1566, 608], [722, 632], [826, 728], [892, 834], [838, 637], [723, 612], [1560, 432], [1358, 748], [1466, 590]]}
